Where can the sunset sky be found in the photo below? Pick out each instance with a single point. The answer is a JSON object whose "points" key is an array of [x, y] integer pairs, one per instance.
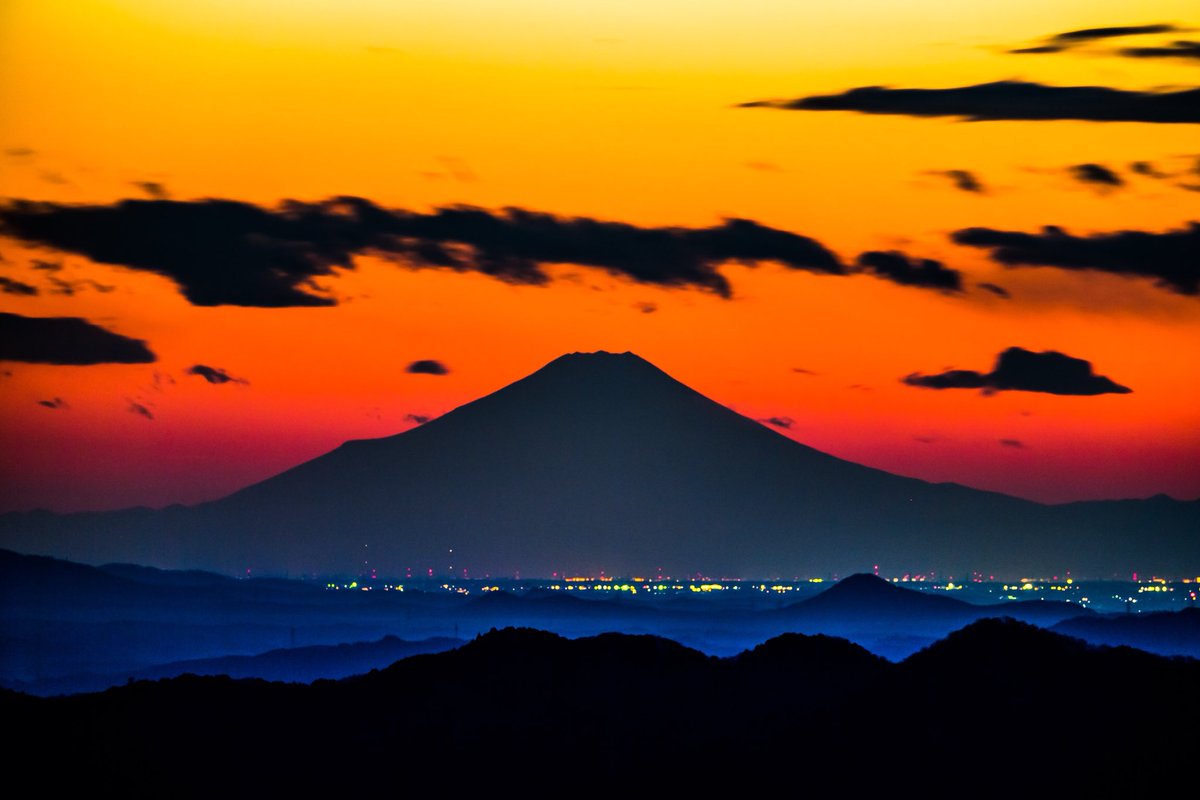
{"points": [[760, 245]]}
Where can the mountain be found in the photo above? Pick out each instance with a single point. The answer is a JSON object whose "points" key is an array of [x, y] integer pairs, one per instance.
{"points": [[601, 461], [994, 706], [1168, 633], [869, 597], [290, 665], [895, 621], [865, 595]]}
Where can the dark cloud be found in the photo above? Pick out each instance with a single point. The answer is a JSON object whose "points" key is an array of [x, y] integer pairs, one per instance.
{"points": [[1039, 49], [20, 153], [927, 439], [69, 288], [46, 266], [999, 291], [1148, 169], [213, 374], [427, 366], [223, 252], [161, 379], [900, 268], [1014, 443], [417, 419], [153, 189], [1011, 100], [1179, 49], [803, 371], [780, 422], [1059, 42], [1021, 370], [141, 410], [10, 286], [963, 180], [66, 340], [1172, 257], [1111, 32], [56, 404], [1096, 174], [646, 307]]}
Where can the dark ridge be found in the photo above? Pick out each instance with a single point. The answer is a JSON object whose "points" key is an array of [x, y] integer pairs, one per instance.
{"points": [[531, 707], [1168, 633], [153, 576]]}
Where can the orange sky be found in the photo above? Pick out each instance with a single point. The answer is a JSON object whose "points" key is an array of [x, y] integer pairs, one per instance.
{"points": [[619, 111]]}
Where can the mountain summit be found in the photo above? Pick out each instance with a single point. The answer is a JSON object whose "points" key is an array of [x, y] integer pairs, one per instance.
{"points": [[601, 461]]}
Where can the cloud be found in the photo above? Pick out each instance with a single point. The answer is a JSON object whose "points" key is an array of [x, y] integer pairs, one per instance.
{"points": [[161, 379], [1096, 174], [1178, 49], [780, 422], [999, 291], [1013, 443], [964, 180], [427, 366], [1111, 32], [224, 252], [141, 410], [1007, 100], [1148, 169], [1021, 370], [646, 307], [1039, 49], [56, 404], [69, 288], [1059, 42], [1171, 258], [803, 371], [10, 286], [46, 266], [214, 374], [417, 419], [900, 268], [153, 189], [66, 340]]}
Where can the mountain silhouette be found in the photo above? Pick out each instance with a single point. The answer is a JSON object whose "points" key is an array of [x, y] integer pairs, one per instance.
{"points": [[871, 595], [868, 597], [527, 707], [601, 461], [1168, 633]]}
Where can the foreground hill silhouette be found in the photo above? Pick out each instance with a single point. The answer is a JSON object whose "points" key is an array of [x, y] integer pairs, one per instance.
{"points": [[997, 704], [601, 461]]}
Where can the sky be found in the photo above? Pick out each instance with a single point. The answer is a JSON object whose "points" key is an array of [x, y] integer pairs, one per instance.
{"points": [[955, 241]]}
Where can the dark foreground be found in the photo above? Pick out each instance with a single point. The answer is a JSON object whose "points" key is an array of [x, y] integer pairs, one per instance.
{"points": [[998, 706]]}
